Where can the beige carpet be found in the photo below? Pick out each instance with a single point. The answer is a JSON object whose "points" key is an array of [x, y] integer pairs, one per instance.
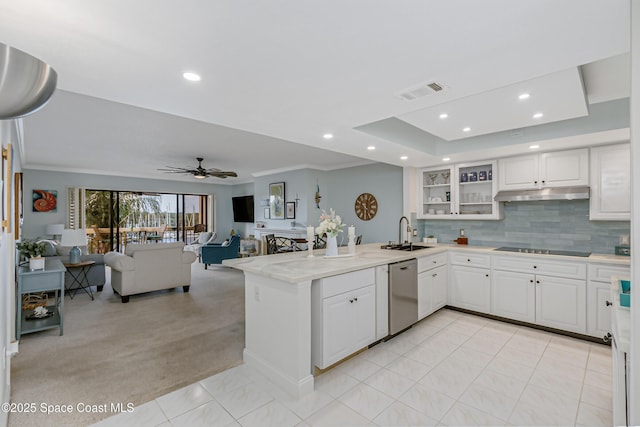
{"points": [[134, 352]]}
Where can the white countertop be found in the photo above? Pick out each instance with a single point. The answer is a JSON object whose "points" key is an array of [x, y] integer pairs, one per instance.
{"points": [[296, 267]]}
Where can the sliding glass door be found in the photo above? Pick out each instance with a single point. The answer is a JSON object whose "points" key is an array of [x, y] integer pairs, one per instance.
{"points": [[117, 218]]}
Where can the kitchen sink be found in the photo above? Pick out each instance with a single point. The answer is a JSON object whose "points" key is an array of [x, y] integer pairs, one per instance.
{"points": [[404, 247]]}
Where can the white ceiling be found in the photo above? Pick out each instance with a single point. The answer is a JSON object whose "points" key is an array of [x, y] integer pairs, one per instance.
{"points": [[278, 75]]}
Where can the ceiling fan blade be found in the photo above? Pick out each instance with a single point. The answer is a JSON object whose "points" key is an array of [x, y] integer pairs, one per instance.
{"points": [[175, 169], [223, 174]]}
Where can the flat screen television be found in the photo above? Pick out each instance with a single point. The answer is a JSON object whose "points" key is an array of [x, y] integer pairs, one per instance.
{"points": [[242, 208]]}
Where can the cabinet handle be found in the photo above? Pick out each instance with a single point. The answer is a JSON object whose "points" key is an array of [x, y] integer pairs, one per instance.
{"points": [[351, 301], [355, 299], [537, 281], [486, 275], [435, 262], [535, 266], [608, 303], [531, 280], [468, 260], [434, 274], [535, 182], [543, 182], [607, 337]]}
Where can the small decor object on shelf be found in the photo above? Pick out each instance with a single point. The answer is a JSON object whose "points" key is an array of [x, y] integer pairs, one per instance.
{"points": [[331, 224], [464, 177], [473, 176], [33, 251], [482, 176]]}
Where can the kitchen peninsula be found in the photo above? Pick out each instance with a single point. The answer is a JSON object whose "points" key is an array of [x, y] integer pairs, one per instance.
{"points": [[278, 307], [280, 341]]}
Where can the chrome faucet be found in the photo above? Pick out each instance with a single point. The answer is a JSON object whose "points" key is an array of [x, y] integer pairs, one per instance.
{"points": [[400, 230]]}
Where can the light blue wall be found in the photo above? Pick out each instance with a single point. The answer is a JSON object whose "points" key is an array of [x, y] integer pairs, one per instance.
{"points": [[560, 225], [384, 182], [35, 222], [339, 189]]}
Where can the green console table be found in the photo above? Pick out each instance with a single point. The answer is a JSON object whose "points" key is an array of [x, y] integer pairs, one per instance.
{"points": [[49, 279]]}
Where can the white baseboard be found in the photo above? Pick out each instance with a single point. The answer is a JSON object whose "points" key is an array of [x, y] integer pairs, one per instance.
{"points": [[295, 388]]}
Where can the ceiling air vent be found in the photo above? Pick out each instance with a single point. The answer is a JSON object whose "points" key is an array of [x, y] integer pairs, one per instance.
{"points": [[423, 89]]}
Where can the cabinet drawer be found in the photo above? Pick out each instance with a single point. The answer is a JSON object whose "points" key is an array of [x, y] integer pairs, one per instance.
{"points": [[539, 265], [335, 285], [604, 272], [433, 261], [471, 259], [41, 282]]}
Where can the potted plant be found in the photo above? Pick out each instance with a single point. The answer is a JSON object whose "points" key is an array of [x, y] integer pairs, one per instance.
{"points": [[431, 239], [33, 250]]}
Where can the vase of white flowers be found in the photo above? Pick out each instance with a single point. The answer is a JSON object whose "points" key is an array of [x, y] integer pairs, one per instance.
{"points": [[330, 224]]}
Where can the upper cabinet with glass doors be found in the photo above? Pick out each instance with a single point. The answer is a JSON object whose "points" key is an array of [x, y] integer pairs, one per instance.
{"points": [[467, 192]]}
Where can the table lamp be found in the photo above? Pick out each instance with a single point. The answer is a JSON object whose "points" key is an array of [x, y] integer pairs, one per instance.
{"points": [[74, 238], [54, 230]]}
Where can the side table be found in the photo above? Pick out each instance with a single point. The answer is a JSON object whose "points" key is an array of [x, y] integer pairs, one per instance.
{"points": [[49, 279], [78, 273]]}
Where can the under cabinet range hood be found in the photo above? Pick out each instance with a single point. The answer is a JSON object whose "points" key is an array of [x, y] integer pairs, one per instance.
{"points": [[557, 193], [26, 83]]}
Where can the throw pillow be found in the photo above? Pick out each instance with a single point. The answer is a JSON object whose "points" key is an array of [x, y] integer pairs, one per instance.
{"points": [[50, 248], [204, 237], [225, 243]]}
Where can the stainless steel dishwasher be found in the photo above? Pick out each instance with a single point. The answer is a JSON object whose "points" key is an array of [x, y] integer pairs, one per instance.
{"points": [[403, 295]]}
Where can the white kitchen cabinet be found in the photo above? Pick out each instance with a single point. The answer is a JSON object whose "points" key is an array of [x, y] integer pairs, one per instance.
{"points": [[432, 291], [343, 316], [435, 200], [470, 285], [513, 295], [554, 169], [470, 288], [610, 183], [561, 303], [540, 290], [432, 283], [463, 191], [599, 297]]}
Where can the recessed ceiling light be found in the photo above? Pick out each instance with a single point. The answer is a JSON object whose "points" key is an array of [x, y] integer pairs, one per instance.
{"points": [[467, 129], [537, 115], [524, 96], [327, 136], [533, 147], [444, 116], [404, 157], [446, 159], [192, 77], [371, 148]]}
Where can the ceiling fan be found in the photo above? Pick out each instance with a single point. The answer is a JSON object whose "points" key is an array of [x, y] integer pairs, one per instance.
{"points": [[200, 172]]}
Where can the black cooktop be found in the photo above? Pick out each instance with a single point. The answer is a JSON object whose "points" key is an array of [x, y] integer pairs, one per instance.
{"points": [[542, 251]]}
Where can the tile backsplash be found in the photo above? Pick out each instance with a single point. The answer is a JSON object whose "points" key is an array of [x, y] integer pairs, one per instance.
{"points": [[560, 225]]}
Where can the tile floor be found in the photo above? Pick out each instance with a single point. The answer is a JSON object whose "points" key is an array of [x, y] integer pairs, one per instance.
{"points": [[451, 368]]}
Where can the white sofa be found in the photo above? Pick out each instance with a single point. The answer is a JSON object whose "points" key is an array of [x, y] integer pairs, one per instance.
{"points": [[150, 267]]}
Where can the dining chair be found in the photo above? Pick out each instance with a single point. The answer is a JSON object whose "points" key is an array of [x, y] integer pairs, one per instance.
{"points": [[321, 241], [272, 245]]}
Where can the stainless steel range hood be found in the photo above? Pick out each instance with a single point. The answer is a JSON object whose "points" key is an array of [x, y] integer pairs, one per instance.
{"points": [[26, 83], [558, 193]]}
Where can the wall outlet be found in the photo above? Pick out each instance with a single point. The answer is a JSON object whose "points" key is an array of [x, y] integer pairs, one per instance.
{"points": [[256, 293]]}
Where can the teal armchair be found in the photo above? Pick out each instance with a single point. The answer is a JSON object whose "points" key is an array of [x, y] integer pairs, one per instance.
{"points": [[214, 253]]}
